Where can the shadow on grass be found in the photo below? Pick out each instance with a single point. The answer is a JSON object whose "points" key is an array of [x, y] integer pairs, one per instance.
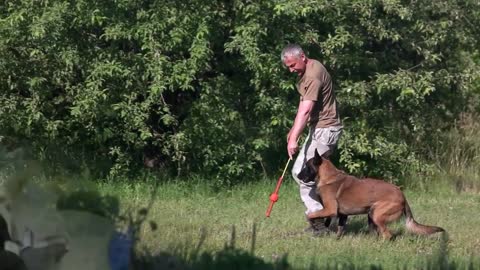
{"points": [[192, 257], [227, 258], [356, 225], [231, 257]]}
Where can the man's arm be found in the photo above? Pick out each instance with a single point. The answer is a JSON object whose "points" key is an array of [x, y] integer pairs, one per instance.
{"points": [[303, 113]]}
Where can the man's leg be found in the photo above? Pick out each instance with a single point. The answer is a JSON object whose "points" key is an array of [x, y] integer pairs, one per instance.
{"points": [[307, 190], [308, 193], [324, 140]]}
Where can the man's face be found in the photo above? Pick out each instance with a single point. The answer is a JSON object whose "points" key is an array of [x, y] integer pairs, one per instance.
{"points": [[295, 63]]}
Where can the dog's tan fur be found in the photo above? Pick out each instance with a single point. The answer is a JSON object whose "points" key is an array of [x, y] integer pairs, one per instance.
{"points": [[344, 195]]}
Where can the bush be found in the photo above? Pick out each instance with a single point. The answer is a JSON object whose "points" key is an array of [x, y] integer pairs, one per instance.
{"points": [[199, 87]]}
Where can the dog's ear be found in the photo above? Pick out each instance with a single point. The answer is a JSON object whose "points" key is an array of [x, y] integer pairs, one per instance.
{"points": [[316, 160]]}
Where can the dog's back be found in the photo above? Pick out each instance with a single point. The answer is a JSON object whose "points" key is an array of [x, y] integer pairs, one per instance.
{"points": [[357, 196], [345, 195]]}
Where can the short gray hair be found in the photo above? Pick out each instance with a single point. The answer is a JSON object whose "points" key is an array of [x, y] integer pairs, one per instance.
{"points": [[291, 50]]}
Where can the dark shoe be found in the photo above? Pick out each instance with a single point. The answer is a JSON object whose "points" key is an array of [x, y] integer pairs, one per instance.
{"points": [[318, 226]]}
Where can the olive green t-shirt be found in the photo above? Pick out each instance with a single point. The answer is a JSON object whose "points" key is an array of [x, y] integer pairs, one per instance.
{"points": [[316, 84]]}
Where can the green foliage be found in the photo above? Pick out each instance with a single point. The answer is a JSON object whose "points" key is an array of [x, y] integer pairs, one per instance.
{"points": [[198, 86]]}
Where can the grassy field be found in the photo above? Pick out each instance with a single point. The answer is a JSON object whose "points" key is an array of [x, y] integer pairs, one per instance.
{"points": [[192, 215]]}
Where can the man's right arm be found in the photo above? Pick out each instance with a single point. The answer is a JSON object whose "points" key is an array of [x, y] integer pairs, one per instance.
{"points": [[290, 131], [301, 119]]}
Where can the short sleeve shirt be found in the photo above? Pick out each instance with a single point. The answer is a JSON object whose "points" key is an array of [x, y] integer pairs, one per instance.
{"points": [[316, 85]]}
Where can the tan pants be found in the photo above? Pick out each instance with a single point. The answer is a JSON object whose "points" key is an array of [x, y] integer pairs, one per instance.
{"points": [[324, 141]]}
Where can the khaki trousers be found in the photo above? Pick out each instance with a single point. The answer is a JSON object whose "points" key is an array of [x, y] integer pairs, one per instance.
{"points": [[324, 141]]}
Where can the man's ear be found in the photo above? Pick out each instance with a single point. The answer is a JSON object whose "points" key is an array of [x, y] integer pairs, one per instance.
{"points": [[303, 57]]}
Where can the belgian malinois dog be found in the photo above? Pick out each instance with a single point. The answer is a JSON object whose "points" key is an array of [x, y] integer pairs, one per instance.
{"points": [[345, 195]]}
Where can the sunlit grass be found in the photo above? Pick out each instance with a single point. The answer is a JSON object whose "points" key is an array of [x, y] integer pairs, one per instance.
{"points": [[184, 212]]}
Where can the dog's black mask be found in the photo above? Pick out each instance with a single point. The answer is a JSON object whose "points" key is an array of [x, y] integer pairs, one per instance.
{"points": [[309, 172]]}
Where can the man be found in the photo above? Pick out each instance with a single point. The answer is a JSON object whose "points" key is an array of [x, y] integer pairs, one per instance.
{"points": [[318, 108]]}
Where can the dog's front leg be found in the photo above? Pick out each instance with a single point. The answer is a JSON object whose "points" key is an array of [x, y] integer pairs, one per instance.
{"points": [[324, 213], [342, 220], [329, 204]]}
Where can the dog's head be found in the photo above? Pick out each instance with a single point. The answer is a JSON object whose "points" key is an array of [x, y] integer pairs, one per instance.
{"points": [[310, 171]]}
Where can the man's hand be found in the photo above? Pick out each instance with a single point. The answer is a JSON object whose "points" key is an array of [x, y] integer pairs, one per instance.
{"points": [[292, 148]]}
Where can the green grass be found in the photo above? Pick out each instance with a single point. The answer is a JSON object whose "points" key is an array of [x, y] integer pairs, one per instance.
{"points": [[184, 213], [200, 227]]}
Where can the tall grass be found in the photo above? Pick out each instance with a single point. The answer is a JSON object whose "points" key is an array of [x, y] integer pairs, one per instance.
{"points": [[457, 154]]}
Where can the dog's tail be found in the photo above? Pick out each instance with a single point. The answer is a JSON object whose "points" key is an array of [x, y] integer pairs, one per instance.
{"points": [[416, 227]]}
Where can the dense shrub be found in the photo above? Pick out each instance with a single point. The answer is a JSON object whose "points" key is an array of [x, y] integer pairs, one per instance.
{"points": [[198, 86]]}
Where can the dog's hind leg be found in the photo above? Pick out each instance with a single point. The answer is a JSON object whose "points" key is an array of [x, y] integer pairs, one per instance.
{"points": [[342, 220], [384, 213], [372, 228], [382, 227]]}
